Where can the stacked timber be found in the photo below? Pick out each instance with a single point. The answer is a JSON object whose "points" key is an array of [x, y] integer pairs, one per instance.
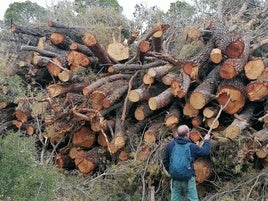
{"points": [[154, 92]]}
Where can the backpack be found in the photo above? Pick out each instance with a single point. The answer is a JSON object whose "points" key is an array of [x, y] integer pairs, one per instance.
{"points": [[180, 167]]}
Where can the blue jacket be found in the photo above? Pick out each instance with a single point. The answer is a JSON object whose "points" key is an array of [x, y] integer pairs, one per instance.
{"points": [[196, 151]]}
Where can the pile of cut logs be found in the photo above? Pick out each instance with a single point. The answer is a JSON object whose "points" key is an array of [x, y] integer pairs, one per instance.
{"points": [[222, 89]]}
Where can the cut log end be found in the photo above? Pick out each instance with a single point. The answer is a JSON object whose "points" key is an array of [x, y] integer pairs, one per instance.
{"points": [[203, 169], [117, 143], [89, 40], [216, 55], [171, 121], [197, 100], [227, 71], [253, 69], [236, 103], [195, 136], [257, 90], [235, 49], [134, 96], [153, 104], [57, 38], [188, 67]]}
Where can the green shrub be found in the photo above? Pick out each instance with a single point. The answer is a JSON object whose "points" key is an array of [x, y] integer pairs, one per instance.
{"points": [[22, 177]]}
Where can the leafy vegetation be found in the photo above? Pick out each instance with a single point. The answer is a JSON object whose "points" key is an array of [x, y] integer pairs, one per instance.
{"points": [[24, 13], [22, 177]]}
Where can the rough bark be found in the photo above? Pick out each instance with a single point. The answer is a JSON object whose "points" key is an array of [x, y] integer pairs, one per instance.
{"points": [[90, 88], [191, 67], [180, 85], [60, 40], [97, 96], [81, 48], [241, 122], [173, 116], [233, 67], [161, 100], [93, 44], [230, 44], [205, 92]]}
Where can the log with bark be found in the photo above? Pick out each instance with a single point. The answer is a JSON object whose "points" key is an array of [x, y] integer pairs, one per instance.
{"points": [[192, 66], [205, 92], [233, 67], [241, 121], [90, 41], [83, 111], [230, 44]]}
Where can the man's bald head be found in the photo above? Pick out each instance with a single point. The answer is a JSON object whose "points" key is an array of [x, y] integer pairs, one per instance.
{"points": [[183, 131]]}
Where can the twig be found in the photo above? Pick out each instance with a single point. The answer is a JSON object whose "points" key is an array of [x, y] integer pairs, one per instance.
{"points": [[123, 117], [263, 117], [218, 115]]}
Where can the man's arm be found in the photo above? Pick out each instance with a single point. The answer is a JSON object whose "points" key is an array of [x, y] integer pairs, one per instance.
{"points": [[205, 149]]}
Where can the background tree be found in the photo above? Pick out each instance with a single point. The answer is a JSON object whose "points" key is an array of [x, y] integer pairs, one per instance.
{"points": [[24, 13], [82, 5]]}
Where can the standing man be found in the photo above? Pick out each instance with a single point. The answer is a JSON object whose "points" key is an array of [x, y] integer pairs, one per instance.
{"points": [[187, 188]]}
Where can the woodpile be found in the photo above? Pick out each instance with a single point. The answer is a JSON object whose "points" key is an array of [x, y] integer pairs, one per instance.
{"points": [[222, 88]]}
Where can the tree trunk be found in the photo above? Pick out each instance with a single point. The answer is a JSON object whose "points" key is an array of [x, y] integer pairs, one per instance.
{"points": [[134, 67], [191, 67], [233, 67], [173, 116], [180, 85], [159, 72], [88, 162], [205, 91], [90, 88], [81, 48], [93, 44], [109, 100], [161, 100], [98, 95], [167, 79], [60, 40], [241, 122], [231, 45]]}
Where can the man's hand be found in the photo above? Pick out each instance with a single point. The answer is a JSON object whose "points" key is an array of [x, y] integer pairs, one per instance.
{"points": [[207, 137]]}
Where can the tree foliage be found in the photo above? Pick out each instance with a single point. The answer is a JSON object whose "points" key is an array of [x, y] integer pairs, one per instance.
{"points": [[82, 5], [24, 13]]}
